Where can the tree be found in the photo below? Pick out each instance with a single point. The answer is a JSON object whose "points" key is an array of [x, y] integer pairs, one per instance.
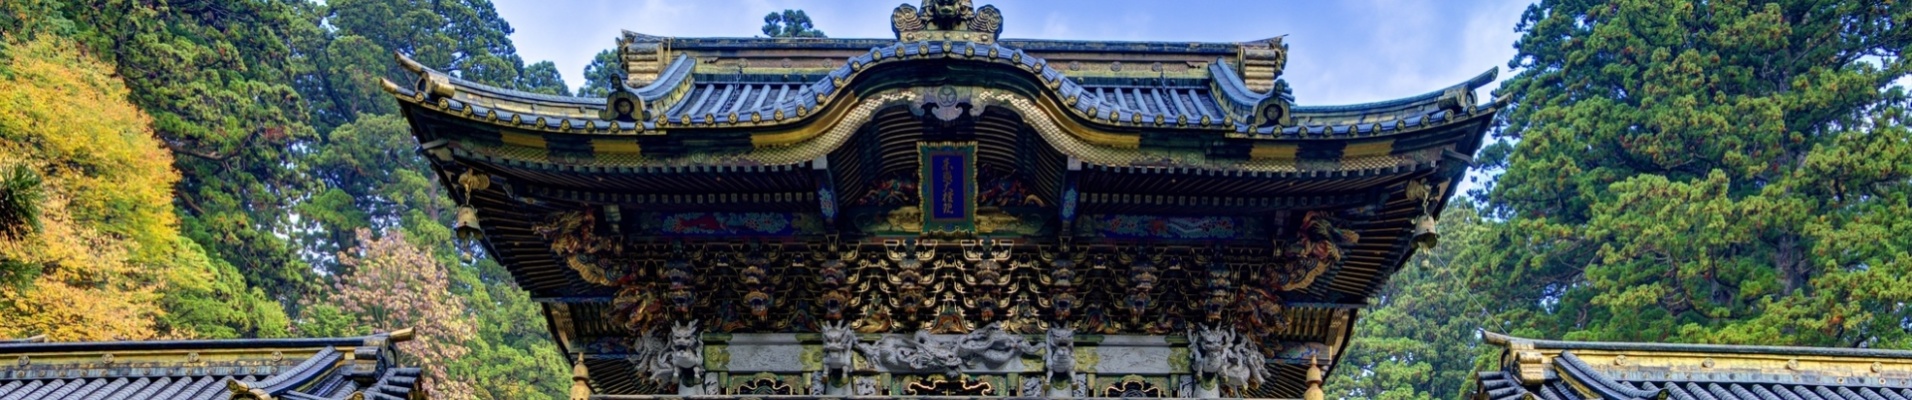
{"points": [[789, 23], [604, 70], [215, 78], [542, 78], [393, 284], [1419, 340], [1720, 171], [104, 258]]}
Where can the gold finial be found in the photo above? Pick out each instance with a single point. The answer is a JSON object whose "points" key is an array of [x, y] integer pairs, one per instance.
{"points": [[401, 335], [580, 378], [1314, 380]]}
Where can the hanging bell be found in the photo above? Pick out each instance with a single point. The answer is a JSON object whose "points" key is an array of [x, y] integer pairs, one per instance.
{"points": [[1424, 235], [466, 225]]}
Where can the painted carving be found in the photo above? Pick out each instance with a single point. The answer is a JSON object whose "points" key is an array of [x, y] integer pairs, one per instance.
{"points": [[759, 281], [1319, 247], [677, 359], [989, 19], [574, 238], [949, 387], [947, 103], [833, 277], [893, 190], [948, 14], [1220, 353], [1218, 283], [993, 347], [906, 18], [910, 282], [838, 341], [913, 24], [1158, 227], [1133, 386], [1004, 189], [766, 385], [680, 277], [1060, 359], [987, 282], [1061, 281], [920, 352], [1258, 305], [866, 386], [1031, 387], [1140, 283], [731, 223]]}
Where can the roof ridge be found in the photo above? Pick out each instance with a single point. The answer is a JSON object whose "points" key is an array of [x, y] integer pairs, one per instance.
{"points": [[1503, 340]]}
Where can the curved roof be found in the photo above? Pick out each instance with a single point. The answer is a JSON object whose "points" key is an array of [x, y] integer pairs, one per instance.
{"points": [[1562, 370], [681, 100], [327, 368]]}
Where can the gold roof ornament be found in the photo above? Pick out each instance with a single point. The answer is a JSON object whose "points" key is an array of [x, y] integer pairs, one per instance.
{"points": [[947, 20], [466, 225]]}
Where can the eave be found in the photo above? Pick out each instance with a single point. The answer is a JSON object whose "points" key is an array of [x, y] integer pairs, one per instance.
{"points": [[1560, 370]]}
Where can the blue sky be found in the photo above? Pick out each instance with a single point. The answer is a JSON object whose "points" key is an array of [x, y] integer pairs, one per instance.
{"points": [[1339, 51]]}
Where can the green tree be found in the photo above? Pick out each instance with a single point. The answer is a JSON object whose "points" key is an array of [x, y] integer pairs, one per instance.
{"points": [[1718, 171], [104, 258], [1419, 339], [600, 74], [542, 78], [789, 23], [285, 145]]}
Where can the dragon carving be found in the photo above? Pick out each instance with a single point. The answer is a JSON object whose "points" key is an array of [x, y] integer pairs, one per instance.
{"points": [[993, 346], [920, 352]]}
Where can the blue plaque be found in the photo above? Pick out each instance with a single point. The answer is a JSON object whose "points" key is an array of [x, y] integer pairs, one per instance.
{"points": [[948, 177]]}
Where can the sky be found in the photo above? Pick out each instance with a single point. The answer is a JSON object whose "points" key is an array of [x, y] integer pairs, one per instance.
{"points": [[1340, 52]]}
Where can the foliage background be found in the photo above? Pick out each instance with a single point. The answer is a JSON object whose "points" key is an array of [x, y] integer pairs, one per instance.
{"points": [[1665, 170]]}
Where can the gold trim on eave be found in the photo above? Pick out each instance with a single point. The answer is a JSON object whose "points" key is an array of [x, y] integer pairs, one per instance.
{"points": [[615, 146], [520, 139], [1273, 151], [1368, 149]]}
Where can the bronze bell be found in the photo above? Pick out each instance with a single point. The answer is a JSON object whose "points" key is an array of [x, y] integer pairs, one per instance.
{"points": [[466, 225], [1424, 235]]}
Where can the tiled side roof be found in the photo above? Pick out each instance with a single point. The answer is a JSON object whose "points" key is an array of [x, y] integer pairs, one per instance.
{"points": [[1554, 370], [304, 369]]}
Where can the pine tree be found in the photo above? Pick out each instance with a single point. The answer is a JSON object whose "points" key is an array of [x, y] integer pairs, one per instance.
{"points": [[1720, 171], [789, 23]]}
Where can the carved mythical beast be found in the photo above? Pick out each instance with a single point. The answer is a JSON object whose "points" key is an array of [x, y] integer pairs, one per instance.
{"points": [[921, 353], [1224, 353], [993, 346], [838, 341], [677, 359], [1061, 357]]}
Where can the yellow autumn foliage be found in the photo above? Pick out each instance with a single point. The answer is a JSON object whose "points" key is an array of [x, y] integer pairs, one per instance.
{"points": [[108, 243]]}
